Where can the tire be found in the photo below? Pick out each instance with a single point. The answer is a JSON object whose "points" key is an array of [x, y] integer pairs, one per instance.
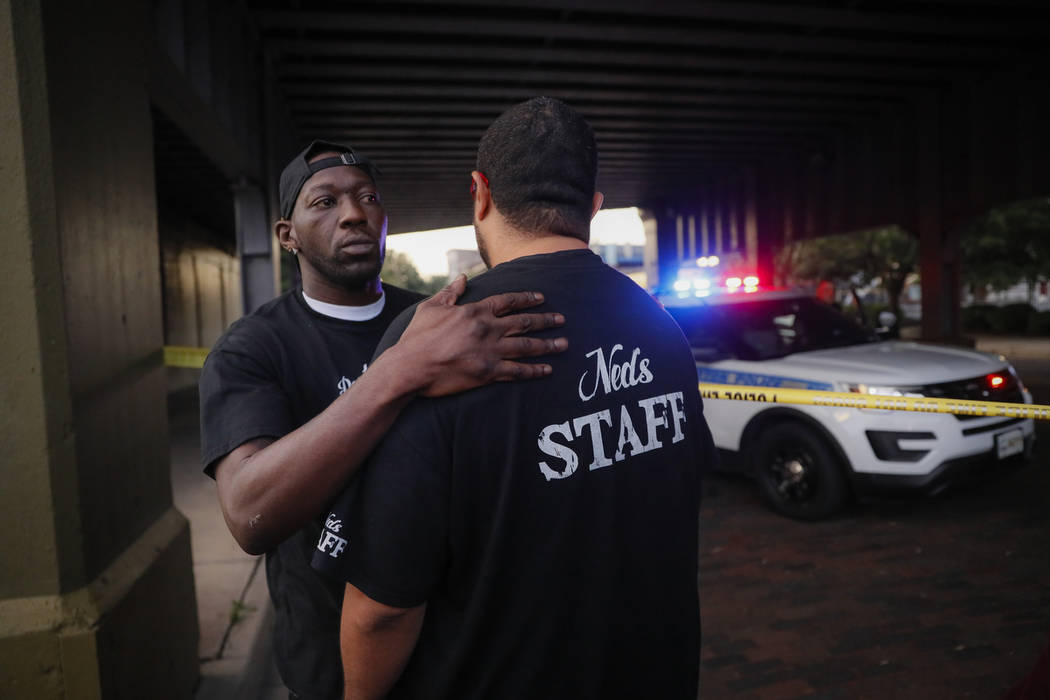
{"points": [[798, 473]]}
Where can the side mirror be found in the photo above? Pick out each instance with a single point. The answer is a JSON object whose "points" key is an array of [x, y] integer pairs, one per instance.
{"points": [[887, 319], [887, 329]]}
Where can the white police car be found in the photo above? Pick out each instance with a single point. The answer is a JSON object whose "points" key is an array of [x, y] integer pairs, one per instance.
{"points": [[809, 460]]}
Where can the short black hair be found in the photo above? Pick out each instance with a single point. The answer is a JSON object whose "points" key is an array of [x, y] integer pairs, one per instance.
{"points": [[541, 161]]}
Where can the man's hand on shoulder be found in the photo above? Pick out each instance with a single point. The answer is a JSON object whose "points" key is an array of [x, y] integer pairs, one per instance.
{"points": [[456, 348]]}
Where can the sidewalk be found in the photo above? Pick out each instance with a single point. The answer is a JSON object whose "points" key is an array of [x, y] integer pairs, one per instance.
{"points": [[233, 605], [1016, 347]]}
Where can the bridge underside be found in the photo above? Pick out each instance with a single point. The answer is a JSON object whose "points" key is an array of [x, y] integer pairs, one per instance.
{"points": [[737, 125]]}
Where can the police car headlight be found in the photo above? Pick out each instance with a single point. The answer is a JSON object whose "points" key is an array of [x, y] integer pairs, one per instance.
{"points": [[876, 390]]}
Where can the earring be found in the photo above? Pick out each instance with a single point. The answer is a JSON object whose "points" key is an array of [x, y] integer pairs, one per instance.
{"points": [[293, 251]]}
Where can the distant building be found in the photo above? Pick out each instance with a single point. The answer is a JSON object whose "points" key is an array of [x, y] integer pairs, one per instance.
{"points": [[461, 261]]}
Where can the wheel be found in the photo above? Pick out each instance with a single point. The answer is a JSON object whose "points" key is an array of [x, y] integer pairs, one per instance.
{"points": [[798, 473]]}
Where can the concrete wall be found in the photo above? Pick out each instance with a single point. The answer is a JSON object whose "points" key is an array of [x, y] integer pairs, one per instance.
{"points": [[202, 296], [99, 602]]}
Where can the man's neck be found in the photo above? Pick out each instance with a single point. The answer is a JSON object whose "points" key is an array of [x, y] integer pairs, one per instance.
{"points": [[519, 247], [323, 290]]}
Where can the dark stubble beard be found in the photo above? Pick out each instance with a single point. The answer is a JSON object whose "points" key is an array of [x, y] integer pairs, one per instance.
{"points": [[353, 278]]}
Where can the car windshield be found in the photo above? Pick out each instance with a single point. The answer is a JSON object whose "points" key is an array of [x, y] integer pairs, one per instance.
{"points": [[764, 329]]}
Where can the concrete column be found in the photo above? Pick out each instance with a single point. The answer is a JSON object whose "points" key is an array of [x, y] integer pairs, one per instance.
{"points": [[704, 216], [254, 246], [758, 245], [662, 235], [651, 253], [96, 590], [938, 244], [718, 207]]}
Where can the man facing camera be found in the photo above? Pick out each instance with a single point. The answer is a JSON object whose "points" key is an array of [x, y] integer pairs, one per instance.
{"points": [[288, 412], [535, 540]]}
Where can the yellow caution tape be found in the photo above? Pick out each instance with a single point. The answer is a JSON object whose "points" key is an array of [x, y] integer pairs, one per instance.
{"points": [[965, 407], [193, 358], [184, 356]]}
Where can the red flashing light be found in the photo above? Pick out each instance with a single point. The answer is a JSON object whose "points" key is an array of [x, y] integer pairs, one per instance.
{"points": [[733, 283], [995, 380]]}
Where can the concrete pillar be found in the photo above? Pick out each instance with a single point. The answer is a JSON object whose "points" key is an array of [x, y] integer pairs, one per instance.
{"points": [[704, 215], [651, 253], [254, 245], [663, 233], [718, 208], [96, 590], [938, 238], [735, 209]]}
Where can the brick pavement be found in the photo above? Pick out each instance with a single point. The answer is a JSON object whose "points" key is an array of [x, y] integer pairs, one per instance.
{"points": [[946, 597]]}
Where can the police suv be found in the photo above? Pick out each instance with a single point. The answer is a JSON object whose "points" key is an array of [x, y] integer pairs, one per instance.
{"points": [[808, 460]]}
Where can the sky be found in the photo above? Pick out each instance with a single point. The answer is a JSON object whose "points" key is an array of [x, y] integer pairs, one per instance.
{"points": [[427, 248]]}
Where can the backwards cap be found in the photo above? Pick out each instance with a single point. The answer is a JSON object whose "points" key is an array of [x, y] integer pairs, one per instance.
{"points": [[299, 170]]}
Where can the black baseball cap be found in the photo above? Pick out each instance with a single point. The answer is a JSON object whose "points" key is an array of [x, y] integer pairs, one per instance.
{"points": [[298, 171]]}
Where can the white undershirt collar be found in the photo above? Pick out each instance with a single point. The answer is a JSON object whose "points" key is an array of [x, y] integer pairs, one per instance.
{"points": [[347, 313]]}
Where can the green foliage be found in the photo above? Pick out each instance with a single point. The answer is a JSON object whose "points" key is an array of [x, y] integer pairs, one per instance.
{"points": [[1008, 245], [398, 270], [1039, 323], [1010, 318], [887, 255], [239, 610], [976, 317]]}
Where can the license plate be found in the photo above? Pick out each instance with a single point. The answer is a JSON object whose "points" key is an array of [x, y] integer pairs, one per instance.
{"points": [[1009, 443]]}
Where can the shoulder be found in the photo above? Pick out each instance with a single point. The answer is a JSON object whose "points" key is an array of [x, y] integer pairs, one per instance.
{"points": [[397, 328], [400, 299], [253, 333]]}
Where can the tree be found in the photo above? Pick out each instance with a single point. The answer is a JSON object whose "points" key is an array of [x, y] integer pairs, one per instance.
{"points": [[399, 270], [1008, 245], [885, 255]]}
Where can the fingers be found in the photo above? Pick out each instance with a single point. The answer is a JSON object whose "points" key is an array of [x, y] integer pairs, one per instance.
{"points": [[508, 371], [501, 304], [524, 346], [450, 293], [526, 323]]}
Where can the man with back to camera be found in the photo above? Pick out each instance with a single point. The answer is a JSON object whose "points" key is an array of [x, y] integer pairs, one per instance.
{"points": [[288, 412], [535, 540]]}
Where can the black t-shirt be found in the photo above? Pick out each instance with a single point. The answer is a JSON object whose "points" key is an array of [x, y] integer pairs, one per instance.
{"points": [[271, 372], [551, 526]]}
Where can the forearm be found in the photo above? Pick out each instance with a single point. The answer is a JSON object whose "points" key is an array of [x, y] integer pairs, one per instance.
{"points": [[376, 643], [274, 491], [270, 489]]}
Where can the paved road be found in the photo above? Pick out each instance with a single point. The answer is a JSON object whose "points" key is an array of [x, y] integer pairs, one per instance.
{"points": [[926, 598]]}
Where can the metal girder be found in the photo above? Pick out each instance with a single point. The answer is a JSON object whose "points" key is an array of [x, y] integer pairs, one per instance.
{"points": [[359, 72], [507, 95], [853, 17], [674, 34], [599, 124], [559, 57], [488, 111]]}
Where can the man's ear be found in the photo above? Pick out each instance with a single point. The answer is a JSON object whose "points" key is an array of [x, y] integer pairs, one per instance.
{"points": [[282, 228], [596, 203], [479, 190]]}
